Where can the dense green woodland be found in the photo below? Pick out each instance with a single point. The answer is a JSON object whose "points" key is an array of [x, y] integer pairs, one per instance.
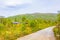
{"points": [[57, 28], [20, 25]]}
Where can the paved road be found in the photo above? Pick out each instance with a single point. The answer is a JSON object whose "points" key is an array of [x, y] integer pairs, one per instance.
{"points": [[45, 34]]}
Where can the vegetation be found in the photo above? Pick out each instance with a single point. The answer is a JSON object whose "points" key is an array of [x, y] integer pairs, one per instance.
{"points": [[57, 29], [20, 25]]}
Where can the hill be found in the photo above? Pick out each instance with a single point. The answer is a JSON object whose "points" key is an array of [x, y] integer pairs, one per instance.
{"points": [[20, 25], [45, 16]]}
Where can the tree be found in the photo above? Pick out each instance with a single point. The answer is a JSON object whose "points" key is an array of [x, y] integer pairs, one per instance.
{"points": [[58, 16], [1, 19], [58, 26]]}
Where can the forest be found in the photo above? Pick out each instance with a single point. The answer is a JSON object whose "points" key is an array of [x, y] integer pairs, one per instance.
{"points": [[17, 26]]}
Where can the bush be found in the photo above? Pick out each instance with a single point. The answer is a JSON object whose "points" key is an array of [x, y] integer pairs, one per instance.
{"points": [[57, 32]]}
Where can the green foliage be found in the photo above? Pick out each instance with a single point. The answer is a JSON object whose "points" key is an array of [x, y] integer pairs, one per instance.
{"points": [[27, 24], [57, 29], [57, 33], [58, 16]]}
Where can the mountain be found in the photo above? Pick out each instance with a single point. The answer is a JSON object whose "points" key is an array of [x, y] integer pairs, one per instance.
{"points": [[45, 16]]}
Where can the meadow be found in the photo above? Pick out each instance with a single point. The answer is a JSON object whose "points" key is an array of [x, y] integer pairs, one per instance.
{"points": [[17, 26]]}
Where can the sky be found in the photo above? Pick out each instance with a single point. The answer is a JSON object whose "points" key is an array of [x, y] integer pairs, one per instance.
{"points": [[17, 7]]}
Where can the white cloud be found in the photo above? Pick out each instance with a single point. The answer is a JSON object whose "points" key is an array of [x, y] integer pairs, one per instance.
{"points": [[13, 7], [16, 2], [5, 3]]}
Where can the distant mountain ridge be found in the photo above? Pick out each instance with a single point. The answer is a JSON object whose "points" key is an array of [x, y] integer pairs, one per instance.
{"points": [[49, 16]]}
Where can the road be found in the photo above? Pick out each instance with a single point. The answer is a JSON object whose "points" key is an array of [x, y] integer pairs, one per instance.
{"points": [[45, 34]]}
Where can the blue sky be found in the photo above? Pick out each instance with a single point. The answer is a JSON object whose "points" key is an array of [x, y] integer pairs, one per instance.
{"points": [[17, 7]]}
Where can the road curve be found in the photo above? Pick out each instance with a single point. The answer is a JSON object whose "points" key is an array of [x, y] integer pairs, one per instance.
{"points": [[45, 34]]}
